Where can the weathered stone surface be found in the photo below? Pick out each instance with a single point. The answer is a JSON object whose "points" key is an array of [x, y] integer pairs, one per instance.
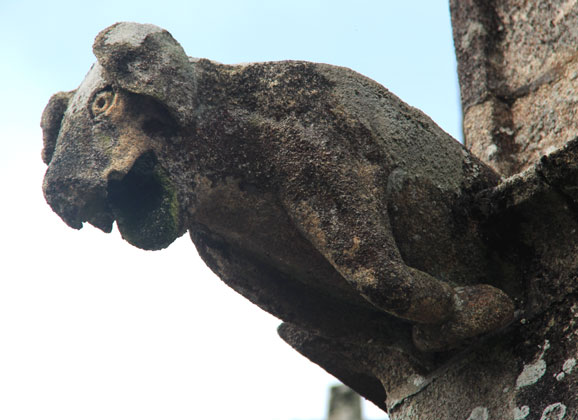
{"points": [[517, 69], [517, 74], [525, 376], [527, 370], [308, 188], [327, 201], [519, 374]]}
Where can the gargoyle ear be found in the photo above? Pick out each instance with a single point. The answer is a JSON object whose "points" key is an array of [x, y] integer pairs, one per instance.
{"points": [[51, 121], [146, 60]]}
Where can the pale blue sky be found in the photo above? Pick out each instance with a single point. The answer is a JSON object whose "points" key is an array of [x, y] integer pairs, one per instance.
{"points": [[92, 328]]}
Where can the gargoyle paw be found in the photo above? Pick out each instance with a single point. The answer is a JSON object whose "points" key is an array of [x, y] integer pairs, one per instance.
{"points": [[478, 309]]}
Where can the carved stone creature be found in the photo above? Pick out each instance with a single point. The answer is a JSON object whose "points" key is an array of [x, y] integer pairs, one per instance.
{"points": [[309, 189]]}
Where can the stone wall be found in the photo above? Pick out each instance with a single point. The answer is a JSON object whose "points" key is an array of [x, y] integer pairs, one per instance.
{"points": [[518, 70]]}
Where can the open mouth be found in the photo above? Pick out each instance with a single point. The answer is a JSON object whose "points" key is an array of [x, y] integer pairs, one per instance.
{"points": [[144, 204]]}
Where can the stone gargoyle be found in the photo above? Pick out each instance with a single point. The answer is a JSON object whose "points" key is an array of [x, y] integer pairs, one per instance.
{"points": [[308, 188]]}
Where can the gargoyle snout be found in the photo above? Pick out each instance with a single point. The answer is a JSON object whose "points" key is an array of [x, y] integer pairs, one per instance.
{"points": [[78, 199]]}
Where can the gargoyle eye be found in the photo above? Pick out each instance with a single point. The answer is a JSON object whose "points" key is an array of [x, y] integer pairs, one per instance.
{"points": [[102, 101]]}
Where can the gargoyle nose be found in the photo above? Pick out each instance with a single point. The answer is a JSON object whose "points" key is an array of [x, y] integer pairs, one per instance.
{"points": [[77, 200], [57, 197]]}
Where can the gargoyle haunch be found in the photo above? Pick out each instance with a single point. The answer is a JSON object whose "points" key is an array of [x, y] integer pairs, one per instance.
{"points": [[308, 188]]}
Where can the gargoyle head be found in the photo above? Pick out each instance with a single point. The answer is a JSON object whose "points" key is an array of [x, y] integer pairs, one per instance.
{"points": [[102, 142]]}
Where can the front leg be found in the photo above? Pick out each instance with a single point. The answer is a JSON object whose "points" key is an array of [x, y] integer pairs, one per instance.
{"points": [[348, 225], [344, 215]]}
